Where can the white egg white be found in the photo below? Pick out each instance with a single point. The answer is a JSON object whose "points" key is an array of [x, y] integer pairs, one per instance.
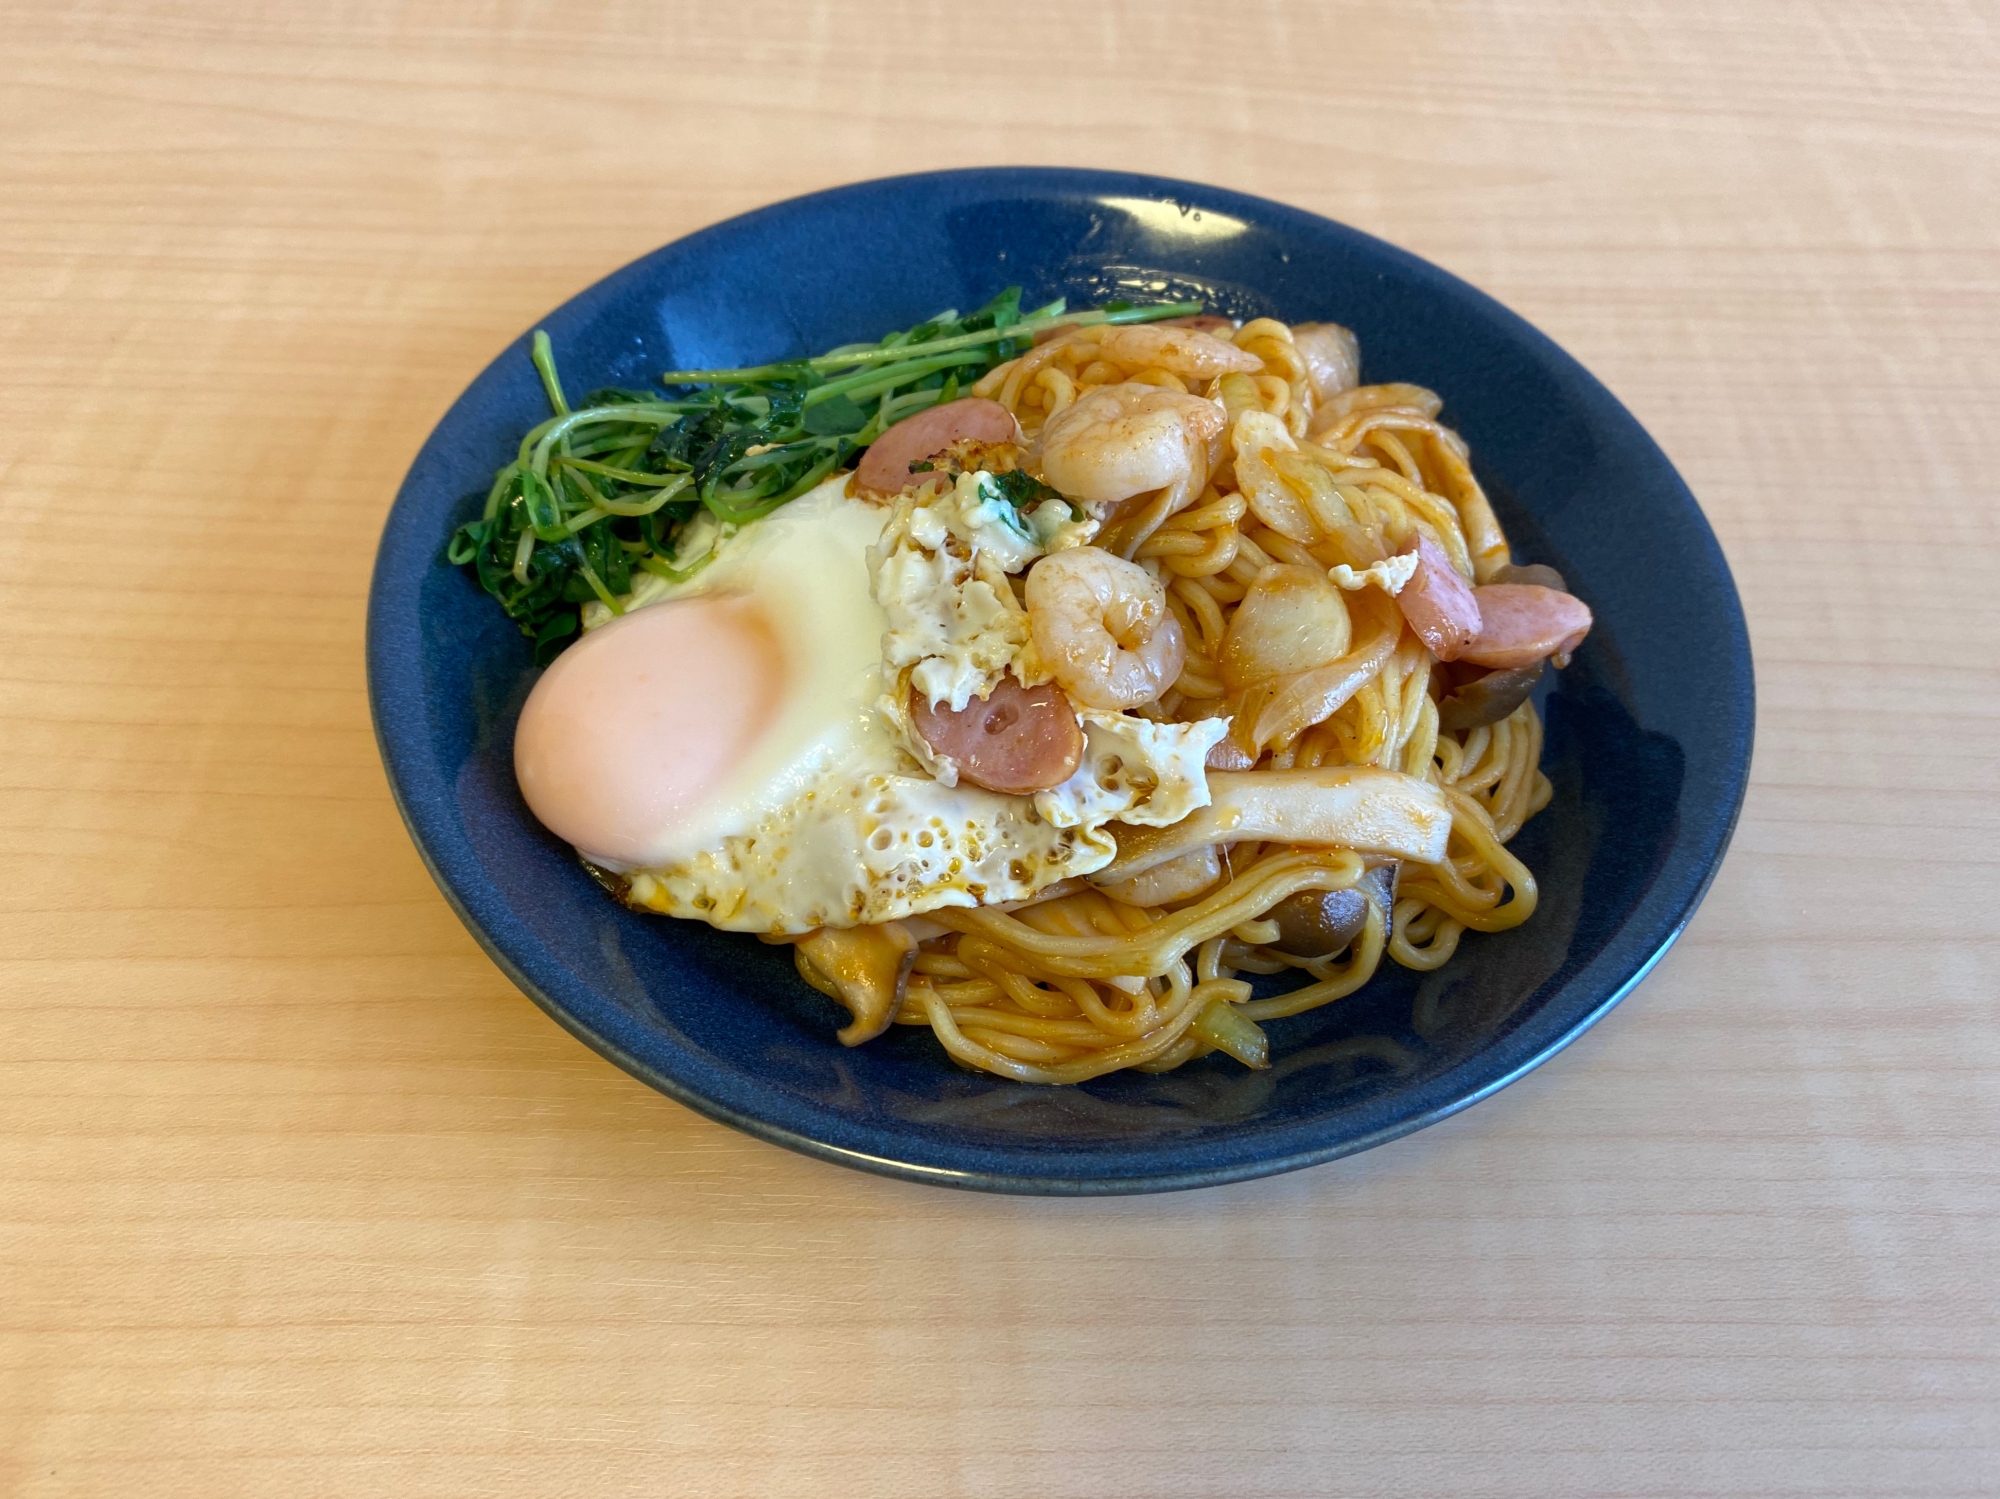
{"points": [[827, 820]]}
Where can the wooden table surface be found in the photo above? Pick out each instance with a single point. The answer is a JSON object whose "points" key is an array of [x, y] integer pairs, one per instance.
{"points": [[298, 1196]]}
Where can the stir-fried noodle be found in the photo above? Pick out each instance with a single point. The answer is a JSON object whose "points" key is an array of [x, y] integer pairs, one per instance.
{"points": [[1087, 979]]}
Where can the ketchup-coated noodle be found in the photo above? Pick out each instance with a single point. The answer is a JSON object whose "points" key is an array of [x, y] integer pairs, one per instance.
{"points": [[1203, 662], [1083, 983]]}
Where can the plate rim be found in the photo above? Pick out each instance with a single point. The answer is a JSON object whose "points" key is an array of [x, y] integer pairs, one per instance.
{"points": [[1666, 929]]}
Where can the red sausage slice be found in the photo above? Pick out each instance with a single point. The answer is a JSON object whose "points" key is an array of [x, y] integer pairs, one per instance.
{"points": [[1438, 604], [885, 467], [1018, 740], [1520, 623]]}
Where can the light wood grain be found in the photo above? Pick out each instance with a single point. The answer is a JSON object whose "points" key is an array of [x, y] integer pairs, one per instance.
{"points": [[298, 1196]]}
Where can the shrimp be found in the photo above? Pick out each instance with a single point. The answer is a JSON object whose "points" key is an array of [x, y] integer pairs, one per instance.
{"points": [[1187, 352], [1120, 440], [1201, 322], [1102, 627]]}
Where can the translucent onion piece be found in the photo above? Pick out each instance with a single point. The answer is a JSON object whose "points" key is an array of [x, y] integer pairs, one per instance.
{"points": [[1257, 434], [1315, 696], [1291, 621]]}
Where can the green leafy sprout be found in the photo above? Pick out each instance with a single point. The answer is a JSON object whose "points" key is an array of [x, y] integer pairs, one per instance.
{"points": [[608, 487]]}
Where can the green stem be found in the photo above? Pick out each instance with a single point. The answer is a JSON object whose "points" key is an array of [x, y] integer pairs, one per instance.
{"points": [[632, 476], [501, 482], [1026, 328], [757, 509], [781, 454], [674, 574], [873, 382], [544, 356], [894, 408], [603, 508], [539, 443], [597, 587]]}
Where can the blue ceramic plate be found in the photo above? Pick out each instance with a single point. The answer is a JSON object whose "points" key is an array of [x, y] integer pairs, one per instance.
{"points": [[1648, 732]]}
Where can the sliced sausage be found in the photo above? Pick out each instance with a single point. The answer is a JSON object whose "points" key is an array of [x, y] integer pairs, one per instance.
{"points": [[1015, 741], [1521, 623], [885, 467], [1438, 603]]}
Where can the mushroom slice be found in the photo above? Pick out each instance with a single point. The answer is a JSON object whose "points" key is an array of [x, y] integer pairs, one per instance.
{"points": [[1487, 699], [1319, 923], [1342, 806], [1538, 573], [1178, 879], [866, 968]]}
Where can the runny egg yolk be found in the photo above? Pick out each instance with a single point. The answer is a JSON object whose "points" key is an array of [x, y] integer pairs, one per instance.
{"points": [[636, 724]]}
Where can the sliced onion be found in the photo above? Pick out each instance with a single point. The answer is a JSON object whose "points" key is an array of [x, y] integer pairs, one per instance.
{"points": [[1333, 357], [1291, 620], [1314, 696], [1271, 500]]}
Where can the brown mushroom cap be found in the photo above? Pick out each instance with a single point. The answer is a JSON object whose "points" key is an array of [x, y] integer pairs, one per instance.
{"points": [[1319, 923], [1538, 573], [1487, 699]]}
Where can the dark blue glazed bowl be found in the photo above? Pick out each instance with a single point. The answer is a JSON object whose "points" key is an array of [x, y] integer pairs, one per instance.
{"points": [[1648, 732]]}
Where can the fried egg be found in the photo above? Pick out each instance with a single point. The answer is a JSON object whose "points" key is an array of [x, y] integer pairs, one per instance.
{"points": [[721, 744]]}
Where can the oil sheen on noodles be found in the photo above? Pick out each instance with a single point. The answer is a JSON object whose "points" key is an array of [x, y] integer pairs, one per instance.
{"points": [[1092, 979]]}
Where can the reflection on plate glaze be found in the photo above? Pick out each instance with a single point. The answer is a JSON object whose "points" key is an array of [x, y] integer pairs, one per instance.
{"points": [[1179, 221]]}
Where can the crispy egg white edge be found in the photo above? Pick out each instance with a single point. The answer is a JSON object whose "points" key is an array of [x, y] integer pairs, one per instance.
{"points": [[829, 821]]}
